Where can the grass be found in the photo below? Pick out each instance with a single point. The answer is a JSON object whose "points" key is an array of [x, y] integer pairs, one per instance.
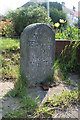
{"points": [[9, 44], [28, 107], [59, 102], [63, 100], [10, 58]]}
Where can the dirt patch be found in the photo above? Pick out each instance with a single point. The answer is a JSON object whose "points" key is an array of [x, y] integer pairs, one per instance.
{"points": [[7, 102], [13, 103], [70, 112], [5, 87]]}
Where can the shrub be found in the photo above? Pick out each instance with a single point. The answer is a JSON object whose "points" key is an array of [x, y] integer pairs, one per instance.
{"points": [[7, 28], [22, 17], [56, 5], [56, 12], [57, 15]]}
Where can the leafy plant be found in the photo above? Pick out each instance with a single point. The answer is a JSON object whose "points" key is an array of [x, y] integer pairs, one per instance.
{"points": [[70, 33], [56, 12], [23, 17], [57, 15], [56, 5]]}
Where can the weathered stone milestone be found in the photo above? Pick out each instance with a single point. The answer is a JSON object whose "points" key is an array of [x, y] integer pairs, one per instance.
{"points": [[37, 53]]}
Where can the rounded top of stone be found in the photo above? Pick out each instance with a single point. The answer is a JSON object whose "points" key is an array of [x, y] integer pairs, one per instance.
{"points": [[38, 32], [36, 25]]}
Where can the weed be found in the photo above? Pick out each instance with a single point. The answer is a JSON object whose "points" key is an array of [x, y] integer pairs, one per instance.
{"points": [[69, 61], [60, 74], [66, 98], [60, 101]]}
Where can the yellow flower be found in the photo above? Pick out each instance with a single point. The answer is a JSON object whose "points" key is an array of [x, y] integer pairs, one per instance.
{"points": [[62, 21], [57, 24]]}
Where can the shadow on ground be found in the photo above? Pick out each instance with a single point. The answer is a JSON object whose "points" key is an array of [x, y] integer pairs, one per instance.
{"points": [[13, 103]]}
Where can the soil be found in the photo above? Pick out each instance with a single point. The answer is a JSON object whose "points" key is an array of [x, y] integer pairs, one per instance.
{"points": [[13, 103]]}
